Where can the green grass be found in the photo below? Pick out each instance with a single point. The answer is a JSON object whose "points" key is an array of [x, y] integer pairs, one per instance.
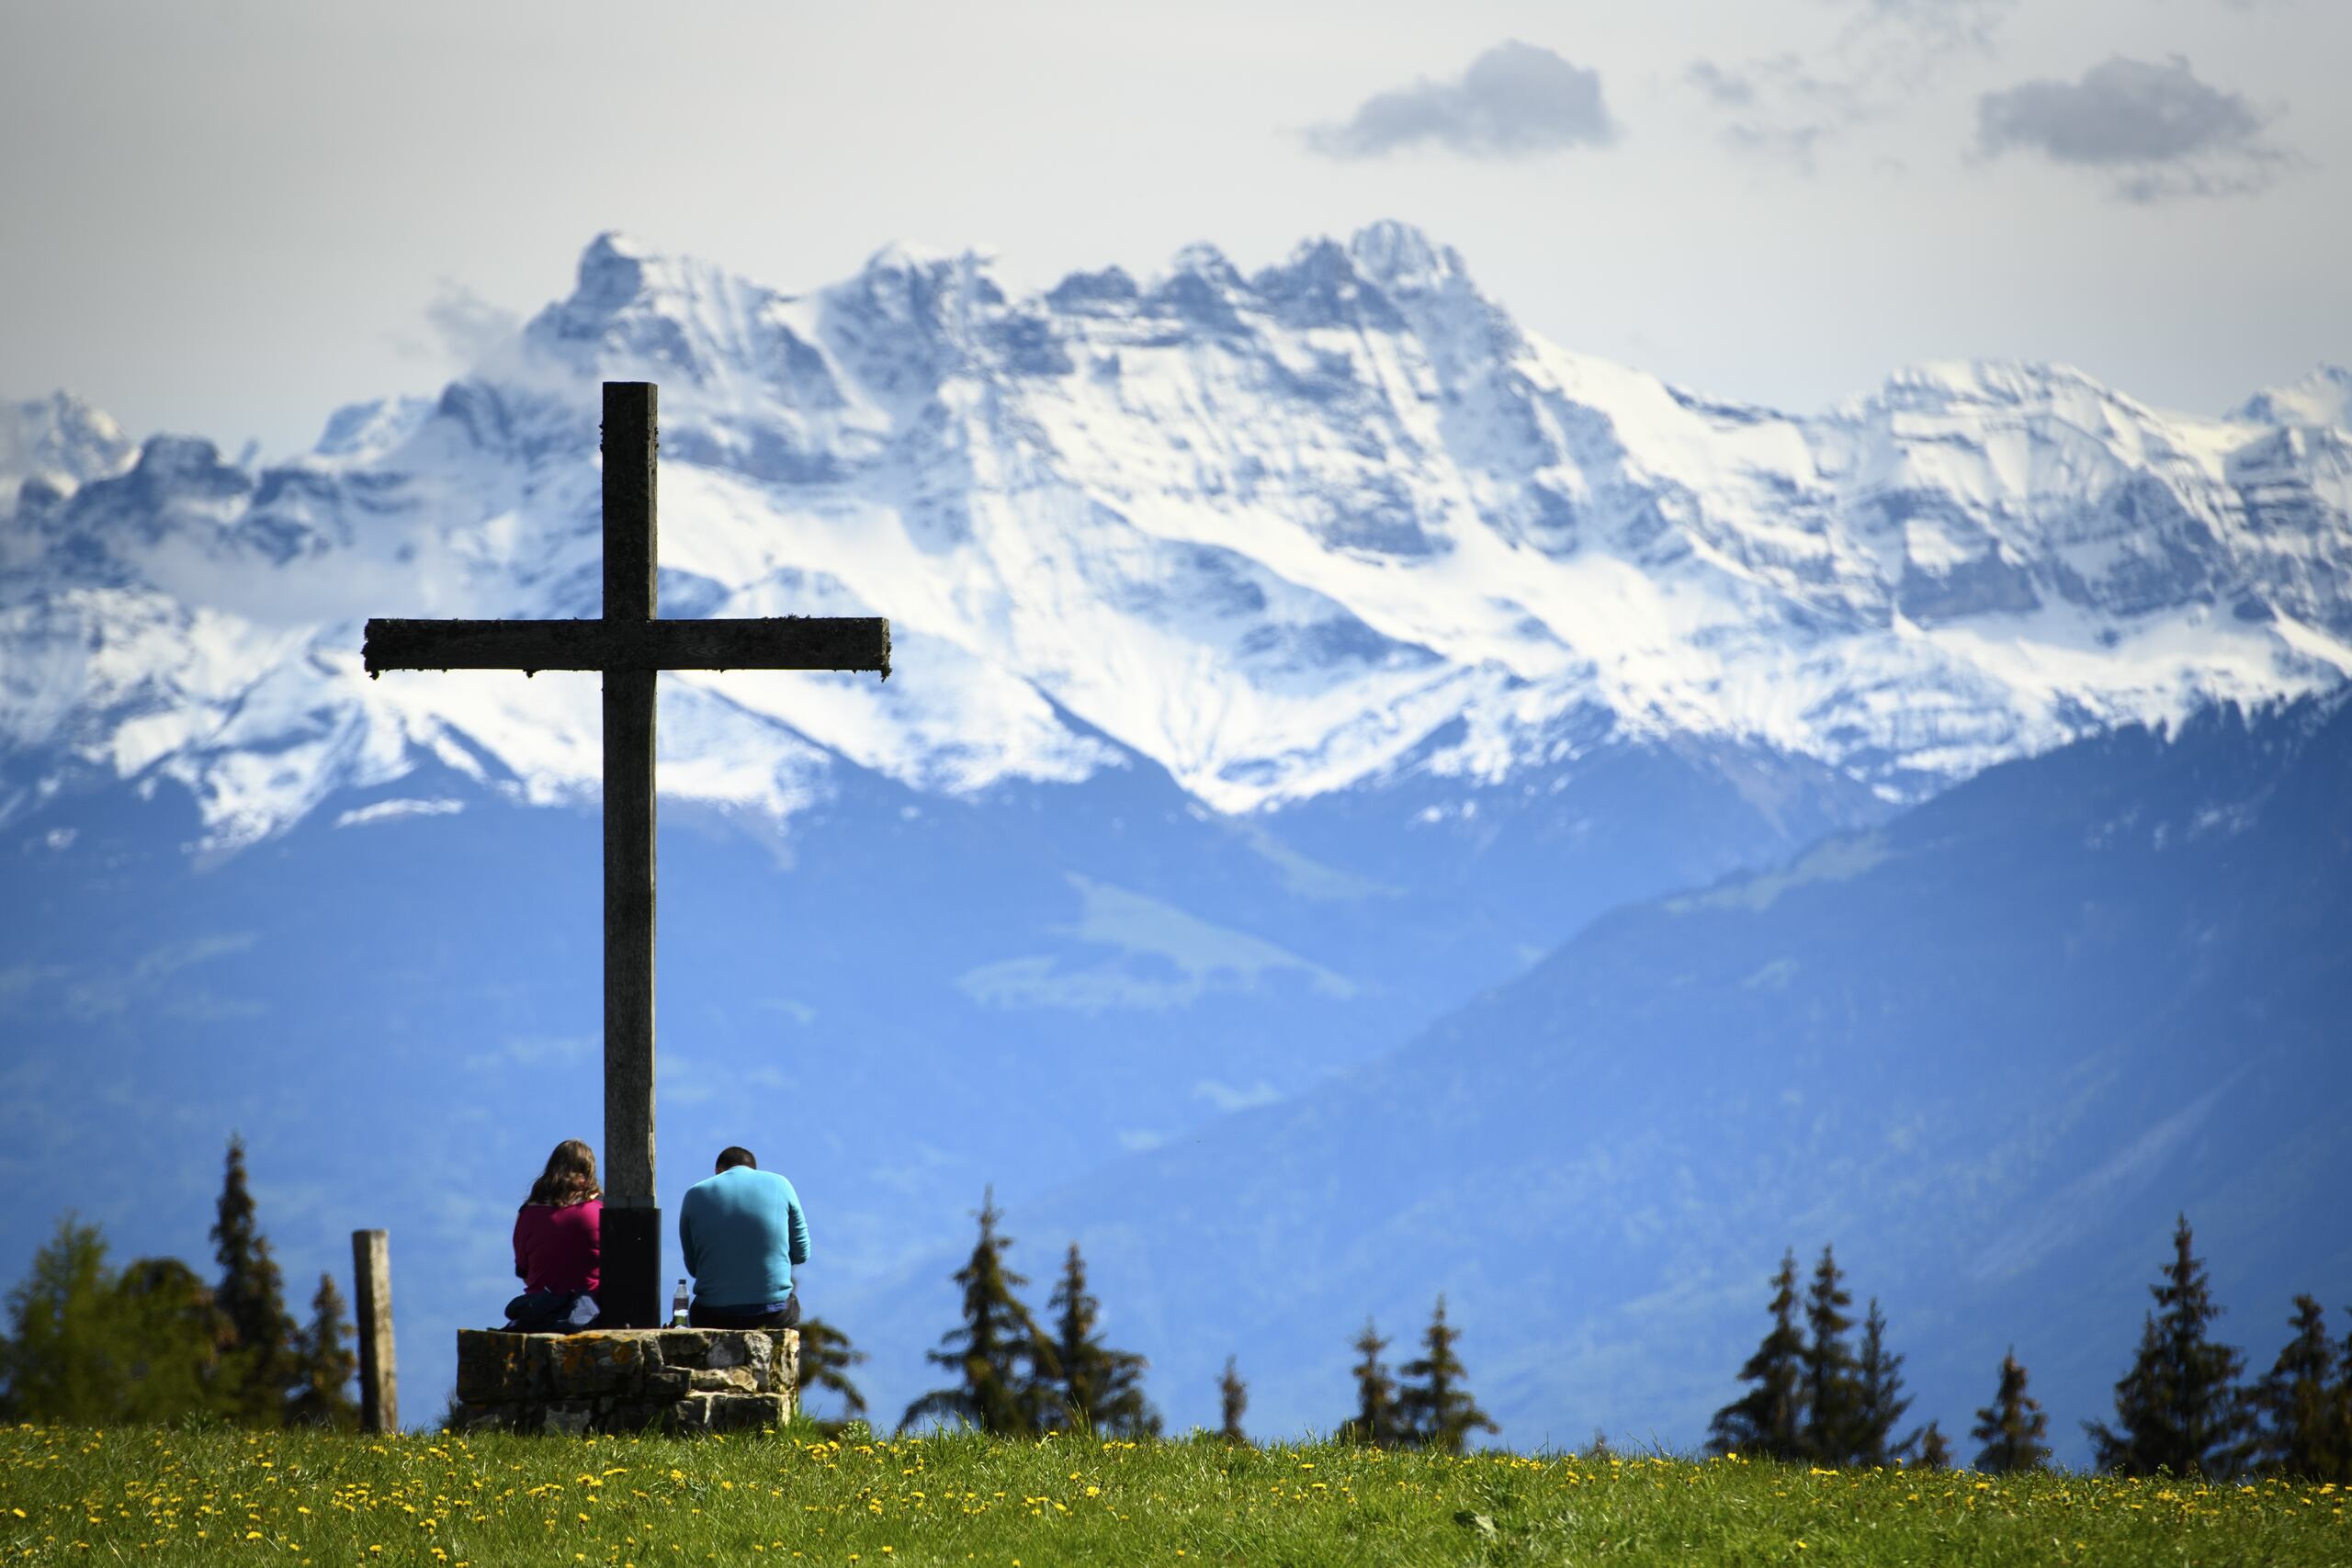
{"points": [[161, 1496]]}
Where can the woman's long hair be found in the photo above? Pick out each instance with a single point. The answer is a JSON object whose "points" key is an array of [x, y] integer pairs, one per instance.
{"points": [[570, 1178]]}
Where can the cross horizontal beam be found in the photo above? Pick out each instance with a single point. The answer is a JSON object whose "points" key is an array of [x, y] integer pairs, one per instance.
{"points": [[779, 642]]}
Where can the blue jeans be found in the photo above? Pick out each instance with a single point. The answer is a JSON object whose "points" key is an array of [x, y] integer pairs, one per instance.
{"points": [[786, 1316]]}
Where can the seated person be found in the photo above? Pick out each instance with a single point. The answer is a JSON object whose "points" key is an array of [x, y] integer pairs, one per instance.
{"points": [[557, 1245], [741, 1230]]}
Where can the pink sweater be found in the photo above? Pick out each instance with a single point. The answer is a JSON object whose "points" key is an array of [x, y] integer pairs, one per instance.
{"points": [[557, 1250]]}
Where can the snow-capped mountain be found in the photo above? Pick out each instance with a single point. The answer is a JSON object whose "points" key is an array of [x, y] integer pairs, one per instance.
{"points": [[2322, 398], [1281, 661], [1335, 524]]}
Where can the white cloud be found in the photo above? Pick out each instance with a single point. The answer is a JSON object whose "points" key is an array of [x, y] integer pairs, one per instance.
{"points": [[1227, 1099], [467, 325], [1514, 100], [1790, 105], [391, 810], [2155, 131], [537, 1050]]}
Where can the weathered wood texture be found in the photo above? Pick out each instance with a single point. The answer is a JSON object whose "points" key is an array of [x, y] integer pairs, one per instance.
{"points": [[633, 1275], [629, 938], [632, 511], [778, 642], [631, 518], [371, 1274]]}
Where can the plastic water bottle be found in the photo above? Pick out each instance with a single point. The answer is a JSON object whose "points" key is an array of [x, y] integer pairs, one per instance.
{"points": [[678, 1306]]}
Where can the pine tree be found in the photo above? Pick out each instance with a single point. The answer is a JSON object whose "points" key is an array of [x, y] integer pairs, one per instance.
{"points": [[1766, 1421], [2012, 1427], [1232, 1400], [1826, 1434], [2180, 1407], [1375, 1420], [1878, 1400], [325, 1365], [2301, 1399], [1099, 1389], [259, 1369], [1434, 1409], [1930, 1450], [996, 1354], [826, 1356]]}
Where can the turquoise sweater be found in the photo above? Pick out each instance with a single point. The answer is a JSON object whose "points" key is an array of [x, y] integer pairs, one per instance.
{"points": [[742, 1231]]}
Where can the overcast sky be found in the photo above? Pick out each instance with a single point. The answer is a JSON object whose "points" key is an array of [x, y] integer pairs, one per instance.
{"points": [[228, 217]]}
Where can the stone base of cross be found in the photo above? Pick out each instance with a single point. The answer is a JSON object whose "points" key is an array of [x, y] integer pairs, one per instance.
{"points": [[629, 644]]}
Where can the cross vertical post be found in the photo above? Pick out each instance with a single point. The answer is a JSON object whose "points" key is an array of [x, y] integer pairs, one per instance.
{"points": [[632, 1229]]}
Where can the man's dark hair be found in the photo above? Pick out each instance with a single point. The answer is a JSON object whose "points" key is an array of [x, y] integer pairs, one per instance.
{"points": [[734, 1154]]}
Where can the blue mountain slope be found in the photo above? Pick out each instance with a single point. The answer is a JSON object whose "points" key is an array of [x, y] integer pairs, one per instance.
{"points": [[898, 1000], [1987, 1050]]}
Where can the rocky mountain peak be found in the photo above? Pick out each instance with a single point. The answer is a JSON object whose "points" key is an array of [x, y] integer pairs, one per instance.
{"points": [[60, 442], [1401, 258], [1319, 529], [2324, 398]]}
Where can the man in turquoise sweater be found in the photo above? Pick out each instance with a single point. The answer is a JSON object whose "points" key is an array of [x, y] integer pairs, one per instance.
{"points": [[742, 1232]]}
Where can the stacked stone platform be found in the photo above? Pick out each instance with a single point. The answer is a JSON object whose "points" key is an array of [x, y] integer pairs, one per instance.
{"points": [[628, 1379]]}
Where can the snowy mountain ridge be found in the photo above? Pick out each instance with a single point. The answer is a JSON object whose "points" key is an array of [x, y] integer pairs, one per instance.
{"points": [[57, 444], [1283, 534]]}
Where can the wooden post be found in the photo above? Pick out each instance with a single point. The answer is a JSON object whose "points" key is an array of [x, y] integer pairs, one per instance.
{"points": [[631, 1295], [371, 1273]]}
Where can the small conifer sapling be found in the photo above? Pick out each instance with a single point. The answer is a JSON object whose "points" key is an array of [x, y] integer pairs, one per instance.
{"points": [[1232, 1403], [1374, 1422], [1099, 1389], [2180, 1407], [2301, 1399], [995, 1354], [325, 1365], [1434, 1406], [2012, 1427], [1879, 1399]]}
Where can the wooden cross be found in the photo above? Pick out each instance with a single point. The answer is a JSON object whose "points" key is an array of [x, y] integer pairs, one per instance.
{"points": [[629, 644]]}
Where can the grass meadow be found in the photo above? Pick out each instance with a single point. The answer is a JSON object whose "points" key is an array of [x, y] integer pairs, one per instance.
{"points": [[222, 1496]]}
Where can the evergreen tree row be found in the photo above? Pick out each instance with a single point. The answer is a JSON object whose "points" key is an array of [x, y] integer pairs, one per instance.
{"points": [[1816, 1397], [2183, 1407], [1432, 1406], [1009, 1375], [152, 1342]]}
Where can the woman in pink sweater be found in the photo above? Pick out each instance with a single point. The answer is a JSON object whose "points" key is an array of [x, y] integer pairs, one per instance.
{"points": [[556, 1247]]}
